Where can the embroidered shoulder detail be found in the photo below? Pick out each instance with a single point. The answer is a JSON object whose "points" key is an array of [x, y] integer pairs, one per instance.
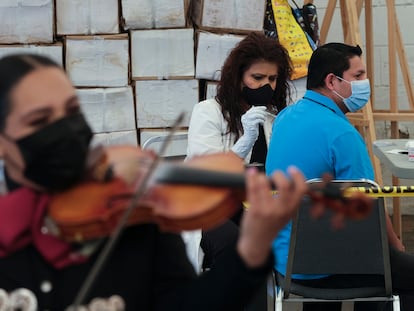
{"points": [[20, 299], [113, 303]]}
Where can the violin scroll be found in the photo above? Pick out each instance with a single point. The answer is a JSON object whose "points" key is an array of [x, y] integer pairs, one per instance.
{"points": [[354, 205]]}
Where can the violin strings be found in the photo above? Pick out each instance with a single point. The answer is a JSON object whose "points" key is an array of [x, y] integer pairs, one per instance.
{"points": [[101, 260]]}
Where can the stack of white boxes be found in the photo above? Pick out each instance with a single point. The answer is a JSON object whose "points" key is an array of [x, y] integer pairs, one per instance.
{"points": [[162, 67], [97, 62], [27, 26], [222, 24], [136, 64]]}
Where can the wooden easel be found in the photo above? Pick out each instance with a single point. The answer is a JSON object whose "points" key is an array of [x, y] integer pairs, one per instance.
{"points": [[365, 120]]}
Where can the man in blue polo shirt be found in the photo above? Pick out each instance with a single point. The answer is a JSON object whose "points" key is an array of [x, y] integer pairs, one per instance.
{"points": [[315, 135]]}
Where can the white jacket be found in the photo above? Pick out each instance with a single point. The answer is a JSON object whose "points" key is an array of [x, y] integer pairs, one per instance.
{"points": [[208, 133]]}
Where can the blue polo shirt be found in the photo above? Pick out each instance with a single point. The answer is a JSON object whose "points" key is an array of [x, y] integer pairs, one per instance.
{"points": [[314, 135]]}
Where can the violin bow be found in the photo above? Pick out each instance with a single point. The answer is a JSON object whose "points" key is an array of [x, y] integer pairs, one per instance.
{"points": [[113, 239]]}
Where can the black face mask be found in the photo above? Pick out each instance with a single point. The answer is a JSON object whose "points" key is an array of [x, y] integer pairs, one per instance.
{"points": [[258, 97], [55, 156]]}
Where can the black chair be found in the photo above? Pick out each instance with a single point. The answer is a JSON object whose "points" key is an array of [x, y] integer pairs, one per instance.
{"points": [[361, 247]]}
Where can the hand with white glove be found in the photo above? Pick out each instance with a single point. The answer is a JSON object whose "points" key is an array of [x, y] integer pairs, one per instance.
{"points": [[250, 122]]}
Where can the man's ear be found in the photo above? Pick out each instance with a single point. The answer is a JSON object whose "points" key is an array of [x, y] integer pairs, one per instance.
{"points": [[329, 81]]}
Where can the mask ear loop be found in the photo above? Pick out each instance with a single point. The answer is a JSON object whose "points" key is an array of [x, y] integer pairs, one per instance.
{"points": [[339, 78], [342, 79], [335, 92]]}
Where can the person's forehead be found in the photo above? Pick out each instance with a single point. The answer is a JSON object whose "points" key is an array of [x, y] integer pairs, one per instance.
{"points": [[262, 65], [40, 86]]}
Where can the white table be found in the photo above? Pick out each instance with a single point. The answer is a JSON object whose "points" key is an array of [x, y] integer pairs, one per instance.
{"points": [[393, 154]]}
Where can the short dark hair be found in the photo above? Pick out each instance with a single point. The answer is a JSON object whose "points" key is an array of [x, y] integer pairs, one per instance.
{"points": [[329, 58], [12, 69]]}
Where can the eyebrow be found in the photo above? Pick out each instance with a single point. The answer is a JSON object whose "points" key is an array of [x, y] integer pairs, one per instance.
{"points": [[263, 74], [34, 113], [45, 110]]}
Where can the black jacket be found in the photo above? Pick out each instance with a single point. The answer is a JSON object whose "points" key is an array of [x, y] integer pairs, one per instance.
{"points": [[148, 269]]}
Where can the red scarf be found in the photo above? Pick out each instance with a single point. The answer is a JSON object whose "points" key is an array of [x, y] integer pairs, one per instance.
{"points": [[22, 212]]}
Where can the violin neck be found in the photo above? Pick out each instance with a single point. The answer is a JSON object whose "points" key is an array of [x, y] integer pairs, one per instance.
{"points": [[181, 175]]}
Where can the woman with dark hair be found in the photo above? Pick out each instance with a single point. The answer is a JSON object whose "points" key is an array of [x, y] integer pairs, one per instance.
{"points": [[253, 88], [44, 142]]}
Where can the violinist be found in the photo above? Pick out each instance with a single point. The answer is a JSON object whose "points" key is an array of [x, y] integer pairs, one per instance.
{"points": [[44, 142]]}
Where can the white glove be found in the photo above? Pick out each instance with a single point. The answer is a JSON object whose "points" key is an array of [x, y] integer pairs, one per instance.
{"points": [[250, 122]]}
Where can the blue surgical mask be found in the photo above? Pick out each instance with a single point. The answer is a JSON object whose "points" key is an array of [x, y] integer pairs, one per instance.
{"points": [[361, 92]]}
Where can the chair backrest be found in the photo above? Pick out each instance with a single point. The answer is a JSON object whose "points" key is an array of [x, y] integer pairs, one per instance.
{"points": [[177, 151], [361, 247]]}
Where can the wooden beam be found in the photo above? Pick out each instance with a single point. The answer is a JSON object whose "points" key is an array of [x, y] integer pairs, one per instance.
{"points": [[392, 58], [382, 115], [350, 22], [369, 46], [393, 116], [359, 5], [405, 68], [345, 20], [353, 37], [359, 121], [392, 73], [326, 22]]}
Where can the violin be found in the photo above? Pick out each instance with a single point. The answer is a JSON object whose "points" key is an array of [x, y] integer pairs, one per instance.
{"points": [[93, 208], [197, 194]]}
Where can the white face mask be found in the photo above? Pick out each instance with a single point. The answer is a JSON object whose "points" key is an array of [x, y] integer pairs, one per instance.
{"points": [[361, 92]]}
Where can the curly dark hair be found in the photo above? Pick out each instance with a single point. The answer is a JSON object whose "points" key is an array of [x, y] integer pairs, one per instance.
{"points": [[253, 48]]}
